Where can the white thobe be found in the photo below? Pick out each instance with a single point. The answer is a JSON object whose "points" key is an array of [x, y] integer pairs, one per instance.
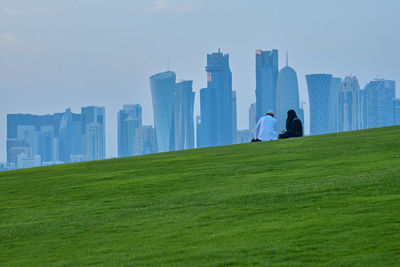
{"points": [[266, 129]]}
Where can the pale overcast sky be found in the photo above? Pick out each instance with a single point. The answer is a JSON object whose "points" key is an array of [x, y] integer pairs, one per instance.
{"points": [[57, 54]]}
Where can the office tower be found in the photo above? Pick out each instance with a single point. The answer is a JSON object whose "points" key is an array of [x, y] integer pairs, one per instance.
{"points": [[333, 104], [266, 81], [396, 111], [129, 120], [234, 118], [183, 115], [145, 141], [14, 148], [242, 137], [93, 127], [349, 105], [48, 145], [377, 101], [287, 96], [216, 101], [162, 93], [252, 120], [319, 90], [70, 136], [199, 134]]}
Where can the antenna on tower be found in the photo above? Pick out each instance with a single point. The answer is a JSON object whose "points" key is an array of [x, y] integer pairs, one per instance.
{"points": [[287, 59]]}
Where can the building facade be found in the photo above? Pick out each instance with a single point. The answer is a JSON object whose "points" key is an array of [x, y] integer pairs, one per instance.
{"points": [[349, 105], [216, 102], [319, 86], [396, 111], [93, 129], [129, 120], [287, 97], [266, 81], [162, 93], [183, 115], [377, 103], [145, 141]]}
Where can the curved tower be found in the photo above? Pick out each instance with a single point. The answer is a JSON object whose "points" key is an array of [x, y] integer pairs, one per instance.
{"points": [[162, 93], [287, 96]]}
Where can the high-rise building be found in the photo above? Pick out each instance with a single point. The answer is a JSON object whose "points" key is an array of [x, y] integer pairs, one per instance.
{"points": [[377, 103], [183, 115], [216, 101], [252, 120], [333, 104], [145, 141], [129, 120], [396, 111], [234, 118], [4, 166], [349, 105], [70, 136], [266, 81], [93, 128], [287, 96], [319, 90], [162, 92]]}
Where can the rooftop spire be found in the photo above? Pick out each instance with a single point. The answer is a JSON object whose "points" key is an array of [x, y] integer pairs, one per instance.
{"points": [[287, 59]]}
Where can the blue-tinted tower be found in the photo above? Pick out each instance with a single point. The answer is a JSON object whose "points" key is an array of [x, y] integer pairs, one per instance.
{"points": [[216, 102], [266, 81], [319, 91], [183, 115], [162, 92]]}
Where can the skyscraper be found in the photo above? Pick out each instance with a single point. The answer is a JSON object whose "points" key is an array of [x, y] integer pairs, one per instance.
{"points": [[145, 141], [183, 115], [162, 92], [266, 81], [377, 102], [216, 101], [287, 96], [333, 104], [93, 127], [319, 90], [349, 105], [129, 120]]}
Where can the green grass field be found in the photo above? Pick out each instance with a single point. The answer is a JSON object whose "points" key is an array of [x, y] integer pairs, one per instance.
{"points": [[321, 200]]}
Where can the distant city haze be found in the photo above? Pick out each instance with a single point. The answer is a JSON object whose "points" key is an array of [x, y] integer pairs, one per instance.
{"points": [[56, 55]]}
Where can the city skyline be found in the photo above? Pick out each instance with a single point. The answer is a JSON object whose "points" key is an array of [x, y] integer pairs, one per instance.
{"points": [[43, 69]]}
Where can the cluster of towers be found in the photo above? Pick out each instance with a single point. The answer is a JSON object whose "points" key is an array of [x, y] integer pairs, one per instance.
{"points": [[335, 106]]}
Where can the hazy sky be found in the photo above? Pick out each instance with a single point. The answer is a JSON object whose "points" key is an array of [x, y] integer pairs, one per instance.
{"points": [[57, 54]]}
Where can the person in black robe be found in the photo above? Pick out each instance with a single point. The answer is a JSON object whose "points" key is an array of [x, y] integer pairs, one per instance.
{"points": [[294, 127]]}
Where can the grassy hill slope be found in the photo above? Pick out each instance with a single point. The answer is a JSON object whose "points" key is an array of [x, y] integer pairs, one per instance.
{"points": [[330, 199]]}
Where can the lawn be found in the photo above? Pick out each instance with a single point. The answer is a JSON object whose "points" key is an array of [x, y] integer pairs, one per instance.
{"points": [[321, 200]]}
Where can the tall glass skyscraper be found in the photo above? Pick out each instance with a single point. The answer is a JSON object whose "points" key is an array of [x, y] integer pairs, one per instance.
{"points": [[334, 104], [319, 86], [349, 105], [396, 111], [287, 96], [129, 120], [234, 118], [183, 115], [162, 92], [93, 127], [377, 101], [216, 101], [266, 81]]}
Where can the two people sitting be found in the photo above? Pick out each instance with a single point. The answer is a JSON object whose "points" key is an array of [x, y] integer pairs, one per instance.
{"points": [[266, 127]]}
